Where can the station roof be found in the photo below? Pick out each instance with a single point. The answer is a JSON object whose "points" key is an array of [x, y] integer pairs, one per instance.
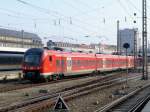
{"points": [[18, 34], [11, 49]]}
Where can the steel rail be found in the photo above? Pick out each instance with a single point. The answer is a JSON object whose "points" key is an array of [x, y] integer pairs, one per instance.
{"points": [[69, 94], [108, 107], [19, 86]]}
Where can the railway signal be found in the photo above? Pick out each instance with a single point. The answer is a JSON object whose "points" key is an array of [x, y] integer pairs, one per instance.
{"points": [[126, 46]]}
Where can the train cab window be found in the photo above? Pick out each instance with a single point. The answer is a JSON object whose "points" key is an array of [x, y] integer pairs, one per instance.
{"points": [[33, 59], [50, 58]]}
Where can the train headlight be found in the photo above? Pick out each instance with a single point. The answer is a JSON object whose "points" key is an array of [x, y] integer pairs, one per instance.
{"points": [[24, 68]]}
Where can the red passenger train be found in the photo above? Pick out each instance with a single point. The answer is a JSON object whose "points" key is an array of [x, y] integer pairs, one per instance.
{"points": [[48, 64]]}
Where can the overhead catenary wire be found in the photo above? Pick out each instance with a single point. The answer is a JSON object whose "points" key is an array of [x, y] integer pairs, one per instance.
{"points": [[68, 3], [62, 17], [124, 8], [133, 5], [59, 15], [68, 28], [39, 8], [19, 15], [16, 13]]}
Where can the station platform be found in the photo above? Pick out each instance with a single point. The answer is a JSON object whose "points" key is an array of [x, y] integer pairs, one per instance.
{"points": [[8, 75]]}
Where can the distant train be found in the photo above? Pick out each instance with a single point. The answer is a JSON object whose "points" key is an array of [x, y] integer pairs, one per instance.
{"points": [[11, 58], [49, 65]]}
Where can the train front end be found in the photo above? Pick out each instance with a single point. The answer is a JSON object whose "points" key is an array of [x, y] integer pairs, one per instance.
{"points": [[32, 64]]}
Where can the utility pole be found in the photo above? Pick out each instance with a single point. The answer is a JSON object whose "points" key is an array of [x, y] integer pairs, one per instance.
{"points": [[126, 46], [118, 38], [144, 40], [22, 35]]}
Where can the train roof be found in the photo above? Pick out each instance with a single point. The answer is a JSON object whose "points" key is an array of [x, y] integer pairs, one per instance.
{"points": [[77, 54]]}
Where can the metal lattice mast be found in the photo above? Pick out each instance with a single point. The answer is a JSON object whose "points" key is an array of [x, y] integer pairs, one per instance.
{"points": [[135, 48], [144, 39]]}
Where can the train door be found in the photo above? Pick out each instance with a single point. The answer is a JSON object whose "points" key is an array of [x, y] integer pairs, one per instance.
{"points": [[62, 65], [69, 64], [97, 60], [57, 65], [129, 62], [104, 63]]}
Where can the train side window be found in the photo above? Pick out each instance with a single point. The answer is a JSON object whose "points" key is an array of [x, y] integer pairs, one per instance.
{"points": [[84, 63], [100, 62], [87, 62], [57, 62], [78, 62], [69, 63], [62, 62], [50, 58], [73, 62]]}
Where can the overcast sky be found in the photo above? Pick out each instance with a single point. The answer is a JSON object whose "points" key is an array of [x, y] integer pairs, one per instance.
{"points": [[81, 21]]}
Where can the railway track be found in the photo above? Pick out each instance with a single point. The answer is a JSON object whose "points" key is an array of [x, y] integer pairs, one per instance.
{"points": [[47, 100], [133, 102], [26, 84], [17, 84]]}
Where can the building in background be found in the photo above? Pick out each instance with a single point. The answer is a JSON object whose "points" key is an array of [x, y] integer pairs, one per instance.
{"points": [[91, 48], [70, 46], [19, 39], [130, 36]]}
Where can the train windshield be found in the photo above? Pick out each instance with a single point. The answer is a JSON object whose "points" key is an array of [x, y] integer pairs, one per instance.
{"points": [[32, 59]]}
